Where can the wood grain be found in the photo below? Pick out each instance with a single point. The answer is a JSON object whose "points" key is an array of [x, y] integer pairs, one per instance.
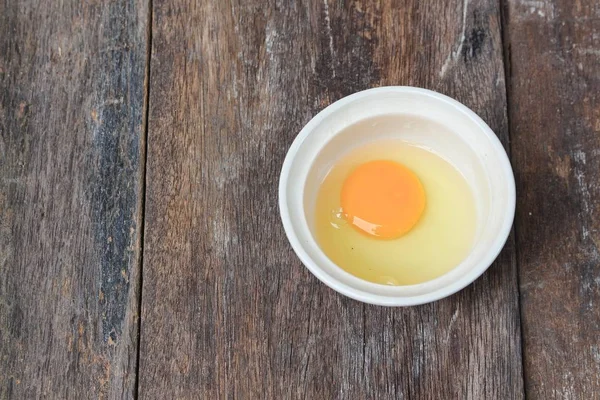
{"points": [[555, 125], [228, 310], [71, 155]]}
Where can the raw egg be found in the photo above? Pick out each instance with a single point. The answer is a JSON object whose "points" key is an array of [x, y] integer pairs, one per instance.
{"points": [[394, 213]]}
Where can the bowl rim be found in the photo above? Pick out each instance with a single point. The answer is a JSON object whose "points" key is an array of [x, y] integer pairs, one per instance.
{"points": [[380, 299]]}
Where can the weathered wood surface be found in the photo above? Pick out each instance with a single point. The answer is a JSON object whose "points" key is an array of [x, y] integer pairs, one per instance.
{"points": [[555, 125], [228, 310], [71, 156]]}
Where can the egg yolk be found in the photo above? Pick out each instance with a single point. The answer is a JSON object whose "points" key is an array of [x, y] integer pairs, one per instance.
{"points": [[383, 199]]}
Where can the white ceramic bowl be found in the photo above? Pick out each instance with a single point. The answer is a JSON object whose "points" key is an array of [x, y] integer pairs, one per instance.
{"points": [[418, 116]]}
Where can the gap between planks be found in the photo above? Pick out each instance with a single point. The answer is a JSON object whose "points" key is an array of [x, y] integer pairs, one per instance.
{"points": [[142, 216]]}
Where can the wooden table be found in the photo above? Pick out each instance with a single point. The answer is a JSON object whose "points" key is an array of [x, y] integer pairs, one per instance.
{"points": [[141, 250]]}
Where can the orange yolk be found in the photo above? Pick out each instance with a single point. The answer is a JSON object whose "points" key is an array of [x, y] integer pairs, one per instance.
{"points": [[383, 199]]}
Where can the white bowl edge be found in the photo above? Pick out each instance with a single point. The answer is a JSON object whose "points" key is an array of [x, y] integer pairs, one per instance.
{"points": [[396, 300]]}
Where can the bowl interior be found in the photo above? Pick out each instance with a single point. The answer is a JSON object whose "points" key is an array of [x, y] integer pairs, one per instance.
{"points": [[419, 117]]}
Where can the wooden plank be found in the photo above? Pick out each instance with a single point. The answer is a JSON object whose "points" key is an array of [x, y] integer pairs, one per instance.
{"points": [[228, 310], [555, 123], [71, 163]]}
